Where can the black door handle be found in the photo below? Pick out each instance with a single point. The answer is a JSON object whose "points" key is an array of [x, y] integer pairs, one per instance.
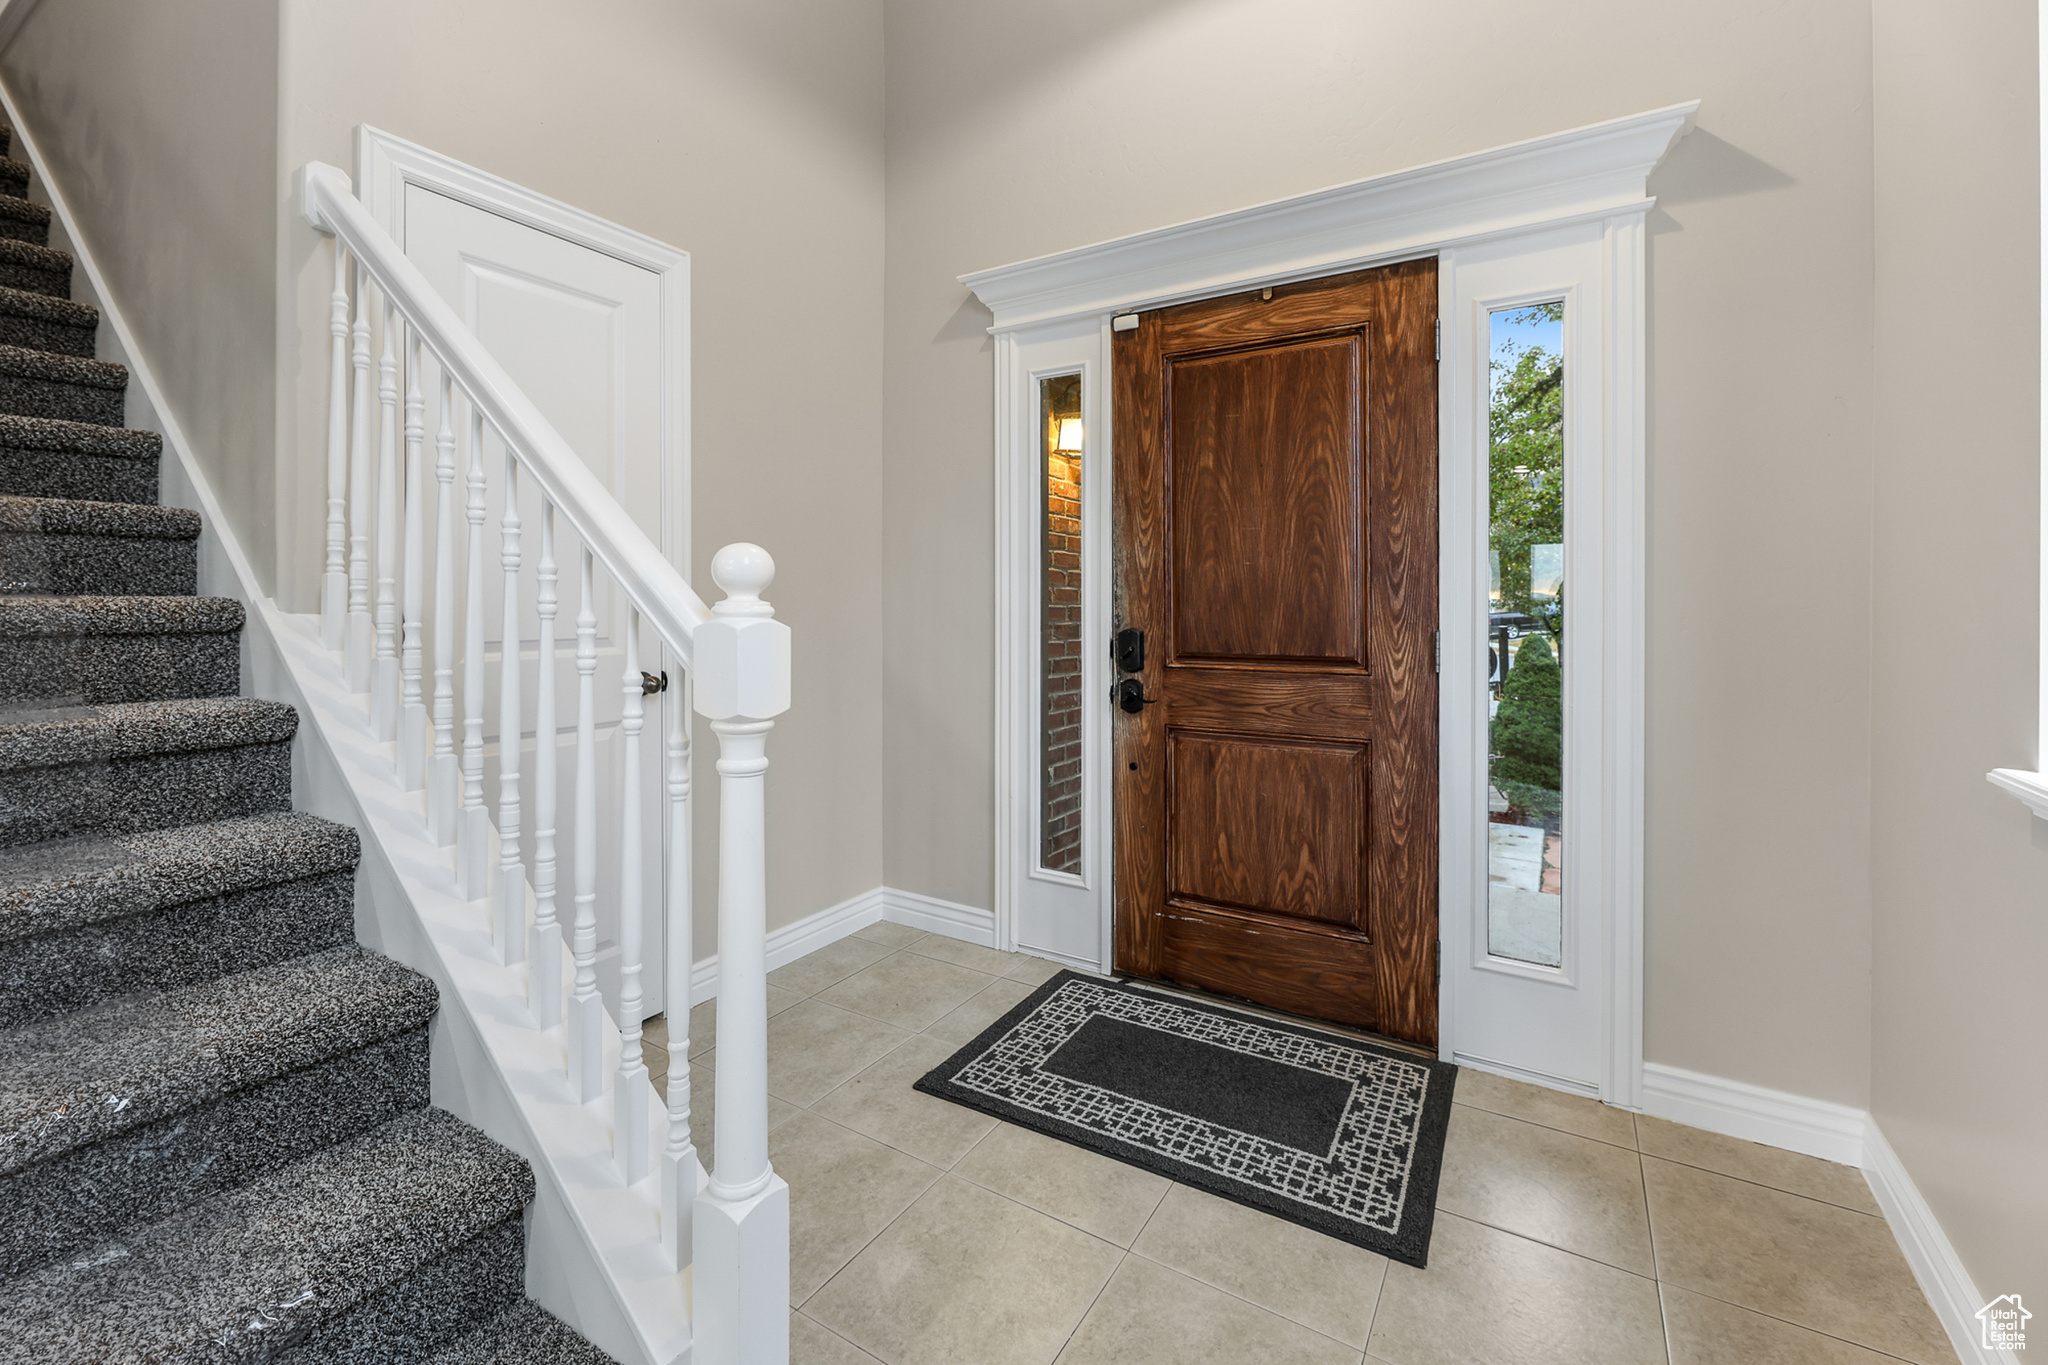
{"points": [[1130, 695]]}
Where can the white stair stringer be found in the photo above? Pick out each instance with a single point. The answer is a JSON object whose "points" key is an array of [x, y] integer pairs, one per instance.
{"points": [[509, 1079]]}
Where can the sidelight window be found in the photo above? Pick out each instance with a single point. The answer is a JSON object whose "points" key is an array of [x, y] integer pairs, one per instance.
{"points": [[1061, 709], [1525, 645]]}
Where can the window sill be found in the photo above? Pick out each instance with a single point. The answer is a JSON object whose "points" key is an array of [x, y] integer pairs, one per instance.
{"points": [[2029, 787]]}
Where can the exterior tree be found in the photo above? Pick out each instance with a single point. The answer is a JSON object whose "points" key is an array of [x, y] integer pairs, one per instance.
{"points": [[1527, 467]]}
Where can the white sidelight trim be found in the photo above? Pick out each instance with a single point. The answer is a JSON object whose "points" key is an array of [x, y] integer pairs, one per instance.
{"points": [[1583, 193], [1776, 1118], [1951, 1292]]}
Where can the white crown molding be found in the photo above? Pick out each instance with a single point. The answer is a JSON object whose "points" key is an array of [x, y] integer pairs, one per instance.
{"points": [[1943, 1278], [1586, 173], [1832, 1132]]}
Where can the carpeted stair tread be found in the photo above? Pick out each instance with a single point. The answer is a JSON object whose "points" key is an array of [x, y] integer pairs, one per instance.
{"points": [[524, 1334], [44, 457], [48, 888], [38, 322], [79, 517], [81, 1078], [248, 1274], [24, 220], [76, 547], [77, 438], [24, 363], [72, 388], [26, 617], [38, 269], [81, 734], [77, 1201], [104, 650]]}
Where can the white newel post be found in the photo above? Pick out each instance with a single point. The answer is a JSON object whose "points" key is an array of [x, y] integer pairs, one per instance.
{"points": [[740, 1231]]}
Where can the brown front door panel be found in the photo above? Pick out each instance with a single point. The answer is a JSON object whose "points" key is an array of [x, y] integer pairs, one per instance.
{"points": [[1275, 521]]}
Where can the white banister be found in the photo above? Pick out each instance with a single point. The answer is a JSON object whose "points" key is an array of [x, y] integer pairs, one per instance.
{"points": [[584, 1041], [334, 577], [509, 894], [412, 711], [356, 660], [679, 1158], [472, 839], [544, 944], [740, 1226], [629, 1118], [384, 674], [729, 1229], [444, 774]]}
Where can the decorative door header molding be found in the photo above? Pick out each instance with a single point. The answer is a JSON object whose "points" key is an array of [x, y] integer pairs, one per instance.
{"points": [[1586, 173]]}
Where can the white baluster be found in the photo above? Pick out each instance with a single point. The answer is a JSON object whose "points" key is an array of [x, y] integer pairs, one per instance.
{"points": [[584, 1035], [630, 1090], [412, 710], [356, 658], [444, 780], [473, 837], [384, 673], [544, 945], [740, 1226], [510, 894], [679, 1159], [334, 579]]}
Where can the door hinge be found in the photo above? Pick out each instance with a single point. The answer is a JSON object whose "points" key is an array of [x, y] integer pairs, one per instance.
{"points": [[1439, 639], [1439, 962], [1439, 338]]}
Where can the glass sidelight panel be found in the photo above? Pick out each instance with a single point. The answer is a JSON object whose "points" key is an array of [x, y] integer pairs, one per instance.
{"points": [[1059, 729], [1525, 694]]}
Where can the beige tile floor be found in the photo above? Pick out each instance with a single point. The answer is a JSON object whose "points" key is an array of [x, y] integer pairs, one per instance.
{"points": [[923, 1233]]}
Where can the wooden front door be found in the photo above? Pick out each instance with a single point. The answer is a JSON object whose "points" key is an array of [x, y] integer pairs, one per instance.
{"points": [[1275, 524]]}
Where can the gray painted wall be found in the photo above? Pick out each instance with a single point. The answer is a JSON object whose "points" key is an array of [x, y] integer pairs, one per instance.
{"points": [[1959, 1077], [160, 124]]}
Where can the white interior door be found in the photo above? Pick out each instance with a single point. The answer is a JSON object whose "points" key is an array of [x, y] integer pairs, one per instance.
{"points": [[581, 333]]}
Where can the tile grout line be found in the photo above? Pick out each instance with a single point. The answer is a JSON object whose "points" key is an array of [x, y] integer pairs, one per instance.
{"points": [[1656, 1266], [1761, 1185]]}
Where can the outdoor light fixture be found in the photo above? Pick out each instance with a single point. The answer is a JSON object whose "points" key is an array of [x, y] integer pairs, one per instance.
{"points": [[1069, 440]]}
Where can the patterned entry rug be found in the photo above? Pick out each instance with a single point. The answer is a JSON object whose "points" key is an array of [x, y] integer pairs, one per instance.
{"points": [[1338, 1135]]}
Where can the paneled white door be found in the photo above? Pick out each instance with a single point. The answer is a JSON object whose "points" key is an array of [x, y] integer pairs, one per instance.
{"points": [[581, 333]]}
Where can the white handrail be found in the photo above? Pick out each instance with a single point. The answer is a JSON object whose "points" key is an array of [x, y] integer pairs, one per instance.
{"points": [[664, 597]]}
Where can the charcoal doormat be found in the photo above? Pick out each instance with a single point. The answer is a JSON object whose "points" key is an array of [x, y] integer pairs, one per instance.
{"points": [[1334, 1134]]}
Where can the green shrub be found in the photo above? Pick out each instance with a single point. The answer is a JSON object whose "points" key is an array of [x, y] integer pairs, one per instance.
{"points": [[1528, 729]]}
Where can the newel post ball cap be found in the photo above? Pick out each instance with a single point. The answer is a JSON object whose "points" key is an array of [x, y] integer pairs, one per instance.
{"points": [[742, 652], [742, 572]]}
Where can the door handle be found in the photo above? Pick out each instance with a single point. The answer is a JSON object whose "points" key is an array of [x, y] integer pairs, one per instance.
{"points": [[1130, 695]]}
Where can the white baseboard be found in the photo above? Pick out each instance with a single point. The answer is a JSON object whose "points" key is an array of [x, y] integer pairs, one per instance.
{"points": [[798, 939], [1943, 1278], [1832, 1132], [834, 922], [929, 913]]}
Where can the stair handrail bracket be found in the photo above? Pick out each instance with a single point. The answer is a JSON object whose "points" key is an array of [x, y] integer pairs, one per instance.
{"points": [[408, 632]]}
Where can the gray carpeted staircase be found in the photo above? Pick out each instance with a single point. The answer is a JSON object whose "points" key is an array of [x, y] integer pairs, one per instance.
{"points": [[215, 1137]]}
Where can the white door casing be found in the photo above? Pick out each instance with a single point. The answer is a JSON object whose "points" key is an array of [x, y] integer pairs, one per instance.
{"points": [[591, 320], [1554, 217]]}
